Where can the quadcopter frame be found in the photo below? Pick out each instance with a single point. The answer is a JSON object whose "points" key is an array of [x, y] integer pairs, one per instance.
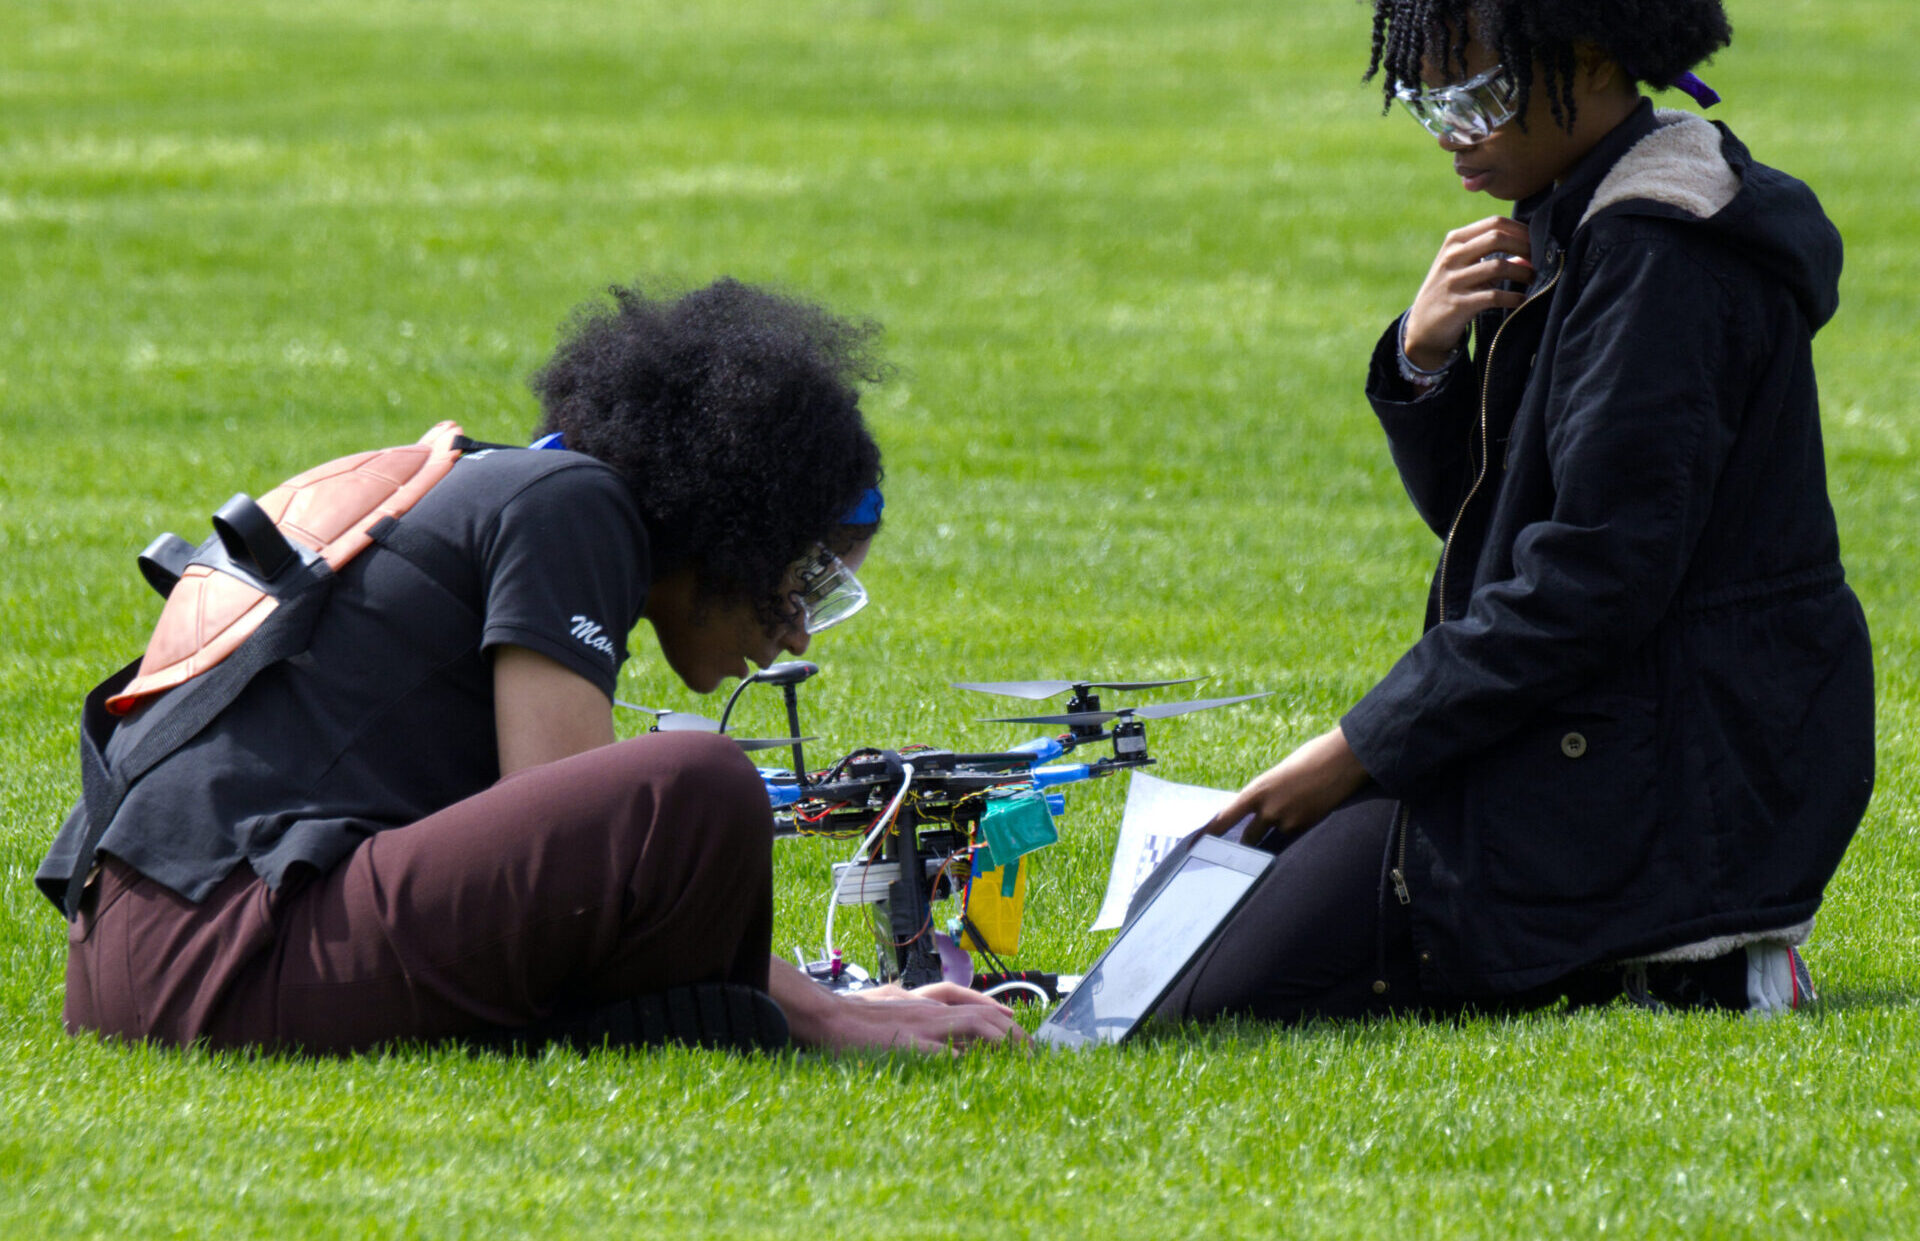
{"points": [[919, 809]]}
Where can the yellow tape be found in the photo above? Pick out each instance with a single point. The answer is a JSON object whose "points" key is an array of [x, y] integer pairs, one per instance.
{"points": [[996, 900]]}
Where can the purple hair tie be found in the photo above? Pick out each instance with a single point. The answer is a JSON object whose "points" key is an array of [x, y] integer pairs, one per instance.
{"points": [[1703, 94]]}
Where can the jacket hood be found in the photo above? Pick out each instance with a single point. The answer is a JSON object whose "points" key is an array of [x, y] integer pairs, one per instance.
{"points": [[1695, 169]]}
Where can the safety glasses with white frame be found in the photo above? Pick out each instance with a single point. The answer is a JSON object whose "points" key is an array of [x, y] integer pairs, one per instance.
{"points": [[823, 590], [1467, 111]]}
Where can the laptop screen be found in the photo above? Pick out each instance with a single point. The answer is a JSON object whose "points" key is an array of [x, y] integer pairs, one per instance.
{"points": [[1138, 969]]}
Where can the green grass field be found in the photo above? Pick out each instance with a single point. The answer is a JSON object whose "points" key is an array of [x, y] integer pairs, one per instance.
{"points": [[1130, 257]]}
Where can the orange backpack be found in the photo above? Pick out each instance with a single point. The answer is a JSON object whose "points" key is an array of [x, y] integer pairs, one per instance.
{"points": [[219, 593]]}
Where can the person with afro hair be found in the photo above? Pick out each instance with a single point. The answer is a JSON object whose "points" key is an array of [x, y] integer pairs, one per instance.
{"points": [[1636, 734], [421, 826]]}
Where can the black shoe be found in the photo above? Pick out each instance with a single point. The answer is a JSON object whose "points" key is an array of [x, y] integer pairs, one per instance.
{"points": [[720, 1016]]}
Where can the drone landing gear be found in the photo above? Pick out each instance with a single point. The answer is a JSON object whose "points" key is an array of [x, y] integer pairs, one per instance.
{"points": [[909, 913]]}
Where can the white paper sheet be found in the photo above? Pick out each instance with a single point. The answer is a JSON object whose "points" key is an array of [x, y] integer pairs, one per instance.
{"points": [[1159, 815]]}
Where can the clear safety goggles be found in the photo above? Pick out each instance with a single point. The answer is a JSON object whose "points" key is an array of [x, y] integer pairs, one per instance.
{"points": [[1468, 111], [823, 590]]}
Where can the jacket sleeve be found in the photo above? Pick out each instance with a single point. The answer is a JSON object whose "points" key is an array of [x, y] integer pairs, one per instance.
{"points": [[1638, 427], [1427, 433]]}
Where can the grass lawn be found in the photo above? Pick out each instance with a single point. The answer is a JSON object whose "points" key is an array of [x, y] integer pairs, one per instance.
{"points": [[1130, 257]]}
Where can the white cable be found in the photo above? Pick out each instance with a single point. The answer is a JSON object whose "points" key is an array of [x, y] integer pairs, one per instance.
{"points": [[886, 817], [1018, 984]]}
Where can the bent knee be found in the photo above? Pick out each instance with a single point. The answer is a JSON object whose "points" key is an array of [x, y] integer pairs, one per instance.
{"points": [[709, 756], [709, 777]]}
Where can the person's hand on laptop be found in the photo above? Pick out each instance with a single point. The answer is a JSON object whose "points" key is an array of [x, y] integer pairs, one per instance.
{"points": [[941, 1017], [1297, 792]]}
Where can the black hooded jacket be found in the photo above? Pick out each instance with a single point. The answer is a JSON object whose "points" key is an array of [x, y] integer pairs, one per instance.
{"points": [[1641, 713]]}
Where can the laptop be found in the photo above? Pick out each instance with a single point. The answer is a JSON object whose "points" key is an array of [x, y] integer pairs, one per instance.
{"points": [[1175, 917]]}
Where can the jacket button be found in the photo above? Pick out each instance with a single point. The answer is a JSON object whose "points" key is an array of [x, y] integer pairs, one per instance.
{"points": [[1573, 745], [1380, 986], [1426, 958]]}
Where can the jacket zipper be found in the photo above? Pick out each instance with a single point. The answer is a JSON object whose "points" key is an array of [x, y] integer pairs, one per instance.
{"points": [[1486, 449], [1399, 872]]}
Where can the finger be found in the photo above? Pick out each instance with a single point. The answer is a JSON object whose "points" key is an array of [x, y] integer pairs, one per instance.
{"points": [[1464, 293], [965, 1033], [1467, 233], [923, 1042], [1494, 265], [1460, 287], [967, 996], [1494, 228], [1257, 834], [951, 993], [1488, 299], [1478, 249], [1514, 268], [998, 1032], [1235, 810], [1512, 229]]}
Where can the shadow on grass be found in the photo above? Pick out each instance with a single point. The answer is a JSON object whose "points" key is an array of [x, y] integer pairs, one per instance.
{"points": [[1834, 1001], [1231, 1033], [1227, 1037]]}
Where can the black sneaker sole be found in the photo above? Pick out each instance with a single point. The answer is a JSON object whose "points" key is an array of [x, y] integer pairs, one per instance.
{"points": [[718, 1016]]}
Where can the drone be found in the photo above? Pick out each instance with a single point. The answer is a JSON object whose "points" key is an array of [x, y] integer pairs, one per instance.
{"points": [[934, 824]]}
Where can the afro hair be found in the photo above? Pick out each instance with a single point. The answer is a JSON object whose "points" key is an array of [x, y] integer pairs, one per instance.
{"points": [[733, 414]]}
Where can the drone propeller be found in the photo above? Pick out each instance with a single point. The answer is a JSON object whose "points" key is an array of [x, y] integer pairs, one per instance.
{"points": [[1047, 689], [1156, 711], [670, 721], [750, 744]]}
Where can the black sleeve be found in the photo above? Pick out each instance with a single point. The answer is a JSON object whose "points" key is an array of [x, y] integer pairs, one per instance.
{"points": [[566, 572], [1428, 432]]}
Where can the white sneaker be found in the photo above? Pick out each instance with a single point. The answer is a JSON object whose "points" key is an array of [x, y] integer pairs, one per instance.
{"points": [[1778, 980]]}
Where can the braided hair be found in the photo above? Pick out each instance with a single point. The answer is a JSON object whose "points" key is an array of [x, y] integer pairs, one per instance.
{"points": [[1653, 41]]}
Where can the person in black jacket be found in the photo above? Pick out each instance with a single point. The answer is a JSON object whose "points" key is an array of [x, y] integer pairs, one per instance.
{"points": [[1636, 735]]}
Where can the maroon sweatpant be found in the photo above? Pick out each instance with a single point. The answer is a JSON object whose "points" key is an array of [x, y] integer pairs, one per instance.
{"points": [[618, 872]]}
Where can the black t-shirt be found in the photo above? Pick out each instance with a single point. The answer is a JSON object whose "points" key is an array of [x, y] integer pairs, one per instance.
{"points": [[387, 717]]}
